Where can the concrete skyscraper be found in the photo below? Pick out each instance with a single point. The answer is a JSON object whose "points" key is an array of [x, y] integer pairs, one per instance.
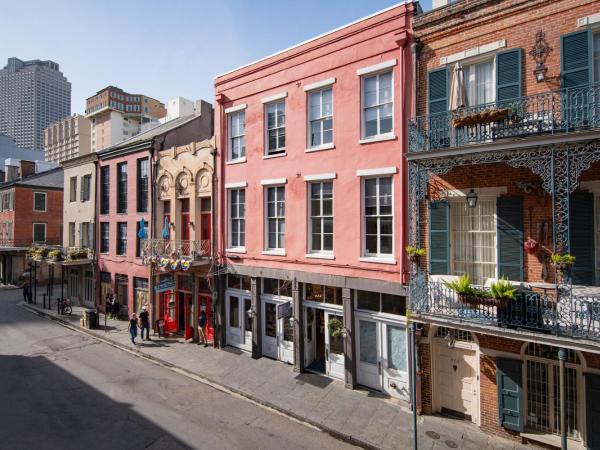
{"points": [[33, 94]]}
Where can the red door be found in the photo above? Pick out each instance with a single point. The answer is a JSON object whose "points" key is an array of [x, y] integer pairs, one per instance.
{"points": [[189, 317], [205, 224], [171, 312], [205, 303]]}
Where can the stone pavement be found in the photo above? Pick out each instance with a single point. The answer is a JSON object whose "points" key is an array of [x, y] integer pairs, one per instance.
{"points": [[359, 416]]}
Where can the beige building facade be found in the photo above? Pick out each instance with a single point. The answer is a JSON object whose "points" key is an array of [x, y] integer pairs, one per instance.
{"points": [[79, 228], [68, 138]]}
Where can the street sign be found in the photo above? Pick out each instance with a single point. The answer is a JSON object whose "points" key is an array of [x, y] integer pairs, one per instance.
{"points": [[284, 310]]}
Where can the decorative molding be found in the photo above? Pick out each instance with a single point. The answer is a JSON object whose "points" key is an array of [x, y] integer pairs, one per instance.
{"points": [[475, 51], [588, 20], [239, 184], [272, 98], [379, 171], [235, 108], [319, 84], [377, 67], [273, 181], [321, 177]]}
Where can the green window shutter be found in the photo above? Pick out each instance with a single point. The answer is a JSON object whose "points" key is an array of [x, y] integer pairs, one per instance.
{"points": [[581, 237], [509, 382], [438, 108], [592, 412], [439, 238], [509, 228], [508, 75], [576, 59]]}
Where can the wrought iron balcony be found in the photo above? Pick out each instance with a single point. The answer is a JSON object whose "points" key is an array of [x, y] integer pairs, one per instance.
{"points": [[166, 252], [561, 312], [548, 113]]}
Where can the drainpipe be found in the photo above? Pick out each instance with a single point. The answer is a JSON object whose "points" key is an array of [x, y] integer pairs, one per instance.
{"points": [[213, 242], [153, 168], [562, 356]]}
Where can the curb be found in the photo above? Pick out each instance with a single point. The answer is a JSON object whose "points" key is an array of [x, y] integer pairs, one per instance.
{"points": [[202, 379]]}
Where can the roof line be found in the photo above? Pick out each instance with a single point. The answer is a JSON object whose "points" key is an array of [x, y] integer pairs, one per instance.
{"points": [[403, 2]]}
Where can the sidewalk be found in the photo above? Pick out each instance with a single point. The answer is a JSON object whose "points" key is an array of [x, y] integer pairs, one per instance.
{"points": [[359, 416]]}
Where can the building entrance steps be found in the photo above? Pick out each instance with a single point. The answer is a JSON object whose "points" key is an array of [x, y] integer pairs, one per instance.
{"points": [[363, 417]]}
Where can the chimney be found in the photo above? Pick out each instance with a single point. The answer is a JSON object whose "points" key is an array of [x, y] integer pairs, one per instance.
{"points": [[12, 169], [27, 168]]}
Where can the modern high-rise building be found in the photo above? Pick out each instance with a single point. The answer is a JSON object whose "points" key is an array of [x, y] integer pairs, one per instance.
{"points": [[117, 115], [67, 138], [33, 94]]}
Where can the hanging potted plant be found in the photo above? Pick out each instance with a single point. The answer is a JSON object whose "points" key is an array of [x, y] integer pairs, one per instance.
{"points": [[336, 328], [562, 262], [531, 246], [414, 253]]}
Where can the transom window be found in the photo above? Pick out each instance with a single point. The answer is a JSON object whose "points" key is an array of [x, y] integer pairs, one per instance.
{"points": [[378, 302], [473, 239], [237, 218], [321, 217], [39, 201], [275, 127], [378, 216], [320, 107], [277, 287], [275, 217], [323, 294], [378, 104], [235, 281], [237, 135]]}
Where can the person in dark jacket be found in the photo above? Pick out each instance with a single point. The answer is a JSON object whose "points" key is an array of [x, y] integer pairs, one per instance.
{"points": [[133, 324], [25, 292], [202, 327], [145, 323]]}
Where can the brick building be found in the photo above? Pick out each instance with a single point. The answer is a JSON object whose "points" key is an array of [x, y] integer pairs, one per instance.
{"points": [[311, 212], [504, 172]]}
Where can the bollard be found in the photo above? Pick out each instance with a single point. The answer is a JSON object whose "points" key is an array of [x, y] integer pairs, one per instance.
{"points": [[44, 305]]}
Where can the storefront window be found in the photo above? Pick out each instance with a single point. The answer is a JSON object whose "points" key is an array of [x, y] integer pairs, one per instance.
{"points": [[234, 314], [385, 303], [141, 293]]}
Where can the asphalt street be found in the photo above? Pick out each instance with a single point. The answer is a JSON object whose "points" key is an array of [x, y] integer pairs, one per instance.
{"points": [[60, 389]]}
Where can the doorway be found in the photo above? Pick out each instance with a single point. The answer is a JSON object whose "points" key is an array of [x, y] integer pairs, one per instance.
{"points": [[205, 304], [239, 321], [278, 334], [324, 353]]}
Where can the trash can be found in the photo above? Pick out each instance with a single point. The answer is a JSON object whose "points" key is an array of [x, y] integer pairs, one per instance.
{"points": [[90, 318]]}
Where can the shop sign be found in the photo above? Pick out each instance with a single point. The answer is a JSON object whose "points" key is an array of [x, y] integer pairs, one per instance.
{"points": [[284, 310], [165, 285]]}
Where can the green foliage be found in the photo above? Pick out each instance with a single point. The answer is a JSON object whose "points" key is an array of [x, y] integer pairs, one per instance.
{"points": [[565, 259], [335, 327], [413, 251], [502, 289], [461, 286], [55, 254]]}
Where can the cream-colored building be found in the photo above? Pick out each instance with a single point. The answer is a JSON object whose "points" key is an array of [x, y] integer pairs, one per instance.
{"points": [[68, 138], [79, 228]]}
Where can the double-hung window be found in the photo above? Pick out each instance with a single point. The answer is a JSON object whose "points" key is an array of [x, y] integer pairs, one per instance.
{"points": [[73, 189], [320, 117], [378, 217], [377, 105], [479, 82], [104, 190], [39, 232], [237, 218], [275, 127], [72, 232], [237, 135], [39, 201], [122, 188], [321, 217], [121, 238], [275, 218], [142, 185], [104, 237], [86, 183]]}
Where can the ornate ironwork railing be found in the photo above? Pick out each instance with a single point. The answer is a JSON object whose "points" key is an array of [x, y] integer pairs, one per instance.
{"points": [[560, 313], [552, 112], [176, 249]]}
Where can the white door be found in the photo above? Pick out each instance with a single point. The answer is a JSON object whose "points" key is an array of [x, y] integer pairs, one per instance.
{"points": [[247, 324], [234, 326], [457, 381], [369, 361], [310, 343], [395, 361], [269, 329], [285, 333], [334, 349]]}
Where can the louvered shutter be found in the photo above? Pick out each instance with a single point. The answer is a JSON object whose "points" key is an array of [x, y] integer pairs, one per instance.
{"points": [[439, 239], [576, 59], [509, 213], [581, 237], [438, 107], [510, 393], [508, 75]]}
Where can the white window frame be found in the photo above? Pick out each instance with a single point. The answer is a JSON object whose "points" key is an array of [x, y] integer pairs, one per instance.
{"points": [[278, 150], [45, 194], [470, 65], [321, 119], [311, 250], [378, 256], [240, 219], [279, 249], [379, 135], [33, 231], [231, 138], [86, 187]]}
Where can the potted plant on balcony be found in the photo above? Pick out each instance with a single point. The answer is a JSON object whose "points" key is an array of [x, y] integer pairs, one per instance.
{"points": [[78, 254], [36, 253], [414, 253], [55, 255], [562, 262]]}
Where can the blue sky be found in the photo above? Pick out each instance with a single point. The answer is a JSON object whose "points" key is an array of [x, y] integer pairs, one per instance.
{"points": [[164, 48]]}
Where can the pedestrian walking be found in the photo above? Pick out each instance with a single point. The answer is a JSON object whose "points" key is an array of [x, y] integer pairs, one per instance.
{"points": [[25, 292], [201, 327], [145, 323], [133, 324], [115, 307], [108, 307]]}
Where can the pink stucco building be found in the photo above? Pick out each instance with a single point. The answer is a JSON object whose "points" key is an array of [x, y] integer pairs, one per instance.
{"points": [[311, 202]]}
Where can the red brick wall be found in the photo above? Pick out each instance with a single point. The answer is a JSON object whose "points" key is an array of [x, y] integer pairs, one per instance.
{"points": [[25, 215], [472, 23]]}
